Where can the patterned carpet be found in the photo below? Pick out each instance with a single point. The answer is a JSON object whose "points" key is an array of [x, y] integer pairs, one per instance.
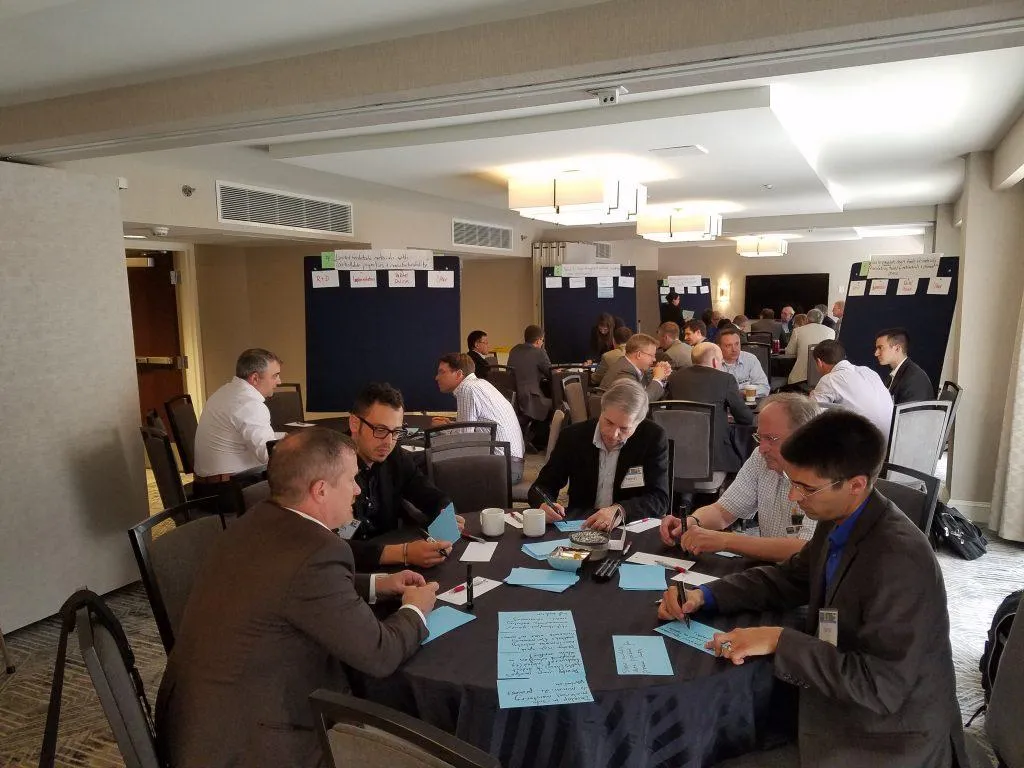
{"points": [[975, 589]]}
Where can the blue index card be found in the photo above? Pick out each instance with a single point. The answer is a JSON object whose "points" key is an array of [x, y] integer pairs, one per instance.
{"points": [[695, 635], [444, 527], [569, 526], [544, 691], [445, 619], [641, 655], [541, 577], [541, 549], [642, 577]]}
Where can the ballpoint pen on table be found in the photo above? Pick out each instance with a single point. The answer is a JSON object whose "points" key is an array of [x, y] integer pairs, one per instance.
{"points": [[469, 587]]}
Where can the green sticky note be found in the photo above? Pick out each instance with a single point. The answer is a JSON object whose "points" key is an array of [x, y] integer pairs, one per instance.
{"points": [[558, 272], [327, 259], [864, 267]]}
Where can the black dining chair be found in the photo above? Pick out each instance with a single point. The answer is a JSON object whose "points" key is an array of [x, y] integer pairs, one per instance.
{"points": [[576, 399], [763, 353], [950, 392], [504, 380], [691, 426], [165, 469], [181, 415], [918, 503], [285, 406], [760, 337], [917, 433], [475, 481], [473, 432]]}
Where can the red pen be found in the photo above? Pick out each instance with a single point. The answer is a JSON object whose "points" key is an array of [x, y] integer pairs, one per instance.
{"points": [[462, 587], [676, 568]]}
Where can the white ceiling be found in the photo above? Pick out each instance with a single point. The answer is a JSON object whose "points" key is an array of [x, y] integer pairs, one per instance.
{"points": [[878, 136], [55, 47]]}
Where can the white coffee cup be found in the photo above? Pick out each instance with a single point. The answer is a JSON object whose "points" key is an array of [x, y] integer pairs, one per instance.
{"points": [[534, 522], [492, 521]]}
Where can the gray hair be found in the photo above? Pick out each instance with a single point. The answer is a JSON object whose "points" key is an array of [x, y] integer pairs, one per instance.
{"points": [[253, 361], [799, 408], [815, 316], [705, 353], [628, 396]]}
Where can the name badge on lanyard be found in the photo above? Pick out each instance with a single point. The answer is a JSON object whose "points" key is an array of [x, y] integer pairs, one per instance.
{"points": [[634, 478], [828, 626]]}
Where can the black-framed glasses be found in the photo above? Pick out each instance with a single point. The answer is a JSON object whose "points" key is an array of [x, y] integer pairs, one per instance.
{"points": [[805, 491], [770, 439], [382, 433]]}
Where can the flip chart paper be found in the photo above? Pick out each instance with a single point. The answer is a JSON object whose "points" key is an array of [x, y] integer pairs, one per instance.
{"points": [[325, 278], [695, 636], [641, 655], [879, 287], [401, 278], [545, 691], [479, 552], [569, 526], [552, 282], [857, 287], [627, 282], [444, 619], [577, 282], [444, 527], [440, 279], [907, 286], [642, 577], [358, 279], [938, 286]]}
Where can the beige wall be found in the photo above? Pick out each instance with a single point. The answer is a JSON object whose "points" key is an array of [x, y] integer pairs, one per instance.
{"points": [[71, 462], [497, 297]]}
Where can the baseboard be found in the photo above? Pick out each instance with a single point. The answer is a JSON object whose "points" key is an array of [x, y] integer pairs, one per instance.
{"points": [[977, 511]]}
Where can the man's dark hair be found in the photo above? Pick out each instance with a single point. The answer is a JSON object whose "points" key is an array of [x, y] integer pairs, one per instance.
{"points": [[837, 445], [622, 334], [767, 314], [473, 338], [374, 393], [896, 336], [302, 458], [829, 352], [253, 361], [706, 317], [458, 361], [728, 330], [724, 323], [533, 333], [696, 325]]}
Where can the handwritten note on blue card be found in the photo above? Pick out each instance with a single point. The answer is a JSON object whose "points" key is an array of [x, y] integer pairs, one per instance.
{"points": [[445, 619], [569, 526], [444, 527], [642, 577], [544, 691], [641, 655], [695, 636], [541, 549]]}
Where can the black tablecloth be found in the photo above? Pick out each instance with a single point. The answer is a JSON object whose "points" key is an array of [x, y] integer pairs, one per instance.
{"points": [[709, 710]]}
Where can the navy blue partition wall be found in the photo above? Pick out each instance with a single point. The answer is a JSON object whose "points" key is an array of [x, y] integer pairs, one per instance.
{"points": [[571, 313], [358, 335], [695, 302], [927, 318]]}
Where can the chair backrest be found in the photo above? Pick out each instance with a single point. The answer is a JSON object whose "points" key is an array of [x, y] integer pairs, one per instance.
{"points": [[1005, 710], [504, 380], [813, 374], [763, 353], [182, 418], [558, 377], [915, 493], [692, 426], [459, 432], [950, 392], [557, 421], [594, 404], [169, 560], [760, 337], [116, 688], [165, 468], [355, 733], [473, 482], [577, 402], [285, 406], [917, 433]]}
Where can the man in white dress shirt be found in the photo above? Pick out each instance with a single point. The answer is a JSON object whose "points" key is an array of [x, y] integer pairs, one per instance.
{"points": [[743, 366], [479, 400], [235, 426], [854, 387]]}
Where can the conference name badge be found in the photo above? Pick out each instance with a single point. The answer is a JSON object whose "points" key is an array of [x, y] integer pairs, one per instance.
{"points": [[634, 478], [828, 626]]}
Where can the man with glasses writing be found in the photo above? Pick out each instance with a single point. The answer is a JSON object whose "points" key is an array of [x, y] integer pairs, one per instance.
{"points": [[639, 365], [386, 478], [760, 489]]}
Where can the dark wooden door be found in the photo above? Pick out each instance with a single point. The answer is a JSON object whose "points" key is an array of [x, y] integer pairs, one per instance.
{"points": [[155, 326]]}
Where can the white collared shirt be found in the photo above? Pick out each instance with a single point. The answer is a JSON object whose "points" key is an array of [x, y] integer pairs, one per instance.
{"points": [[607, 461], [892, 373], [479, 400], [859, 389], [758, 490], [233, 431]]}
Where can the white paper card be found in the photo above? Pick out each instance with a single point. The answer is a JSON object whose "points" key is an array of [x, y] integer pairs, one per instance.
{"points": [[299, 424], [325, 278], [479, 552], [605, 281], [857, 287], [413, 448], [705, 289], [723, 553], [627, 282], [681, 281], [664, 561], [643, 525], [552, 282], [401, 278], [937, 286], [509, 520], [907, 286], [363, 279], [879, 287], [694, 579], [577, 282], [691, 289], [663, 290], [440, 279], [480, 585]]}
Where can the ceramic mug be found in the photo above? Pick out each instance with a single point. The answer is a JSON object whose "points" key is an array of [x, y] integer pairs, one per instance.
{"points": [[492, 522], [534, 522]]}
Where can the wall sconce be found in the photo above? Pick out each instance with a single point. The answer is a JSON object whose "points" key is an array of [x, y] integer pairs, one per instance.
{"points": [[724, 292]]}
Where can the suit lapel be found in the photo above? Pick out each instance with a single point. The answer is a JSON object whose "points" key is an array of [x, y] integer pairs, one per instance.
{"points": [[872, 512]]}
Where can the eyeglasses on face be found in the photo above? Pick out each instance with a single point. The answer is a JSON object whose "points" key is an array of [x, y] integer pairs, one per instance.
{"points": [[806, 491], [770, 439], [382, 433]]}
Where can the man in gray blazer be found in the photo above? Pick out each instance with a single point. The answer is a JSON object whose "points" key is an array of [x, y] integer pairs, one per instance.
{"points": [[532, 366], [638, 364], [276, 612], [671, 349], [874, 664]]}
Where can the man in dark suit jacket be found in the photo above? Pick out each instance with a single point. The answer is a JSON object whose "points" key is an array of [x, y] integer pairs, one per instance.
{"points": [[277, 611], [632, 451], [827, 321], [768, 324], [874, 664], [704, 382], [532, 366], [479, 348], [908, 383], [638, 364]]}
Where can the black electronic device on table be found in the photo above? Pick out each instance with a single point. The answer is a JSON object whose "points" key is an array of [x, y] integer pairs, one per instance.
{"points": [[606, 570]]}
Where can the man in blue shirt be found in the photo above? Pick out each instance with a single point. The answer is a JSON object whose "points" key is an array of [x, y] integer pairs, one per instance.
{"points": [[873, 664]]}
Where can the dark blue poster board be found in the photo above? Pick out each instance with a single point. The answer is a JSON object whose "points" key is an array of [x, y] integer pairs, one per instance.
{"points": [[358, 335], [571, 313], [695, 302], [926, 317]]}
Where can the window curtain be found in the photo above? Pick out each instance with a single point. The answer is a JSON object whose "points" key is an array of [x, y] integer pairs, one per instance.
{"points": [[1007, 517]]}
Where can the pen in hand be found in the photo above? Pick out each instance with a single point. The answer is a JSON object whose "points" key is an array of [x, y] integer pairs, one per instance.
{"points": [[682, 601], [432, 540]]}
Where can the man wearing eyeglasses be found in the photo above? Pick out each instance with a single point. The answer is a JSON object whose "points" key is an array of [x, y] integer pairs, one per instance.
{"points": [[760, 489], [639, 365], [873, 664], [387, 478]]}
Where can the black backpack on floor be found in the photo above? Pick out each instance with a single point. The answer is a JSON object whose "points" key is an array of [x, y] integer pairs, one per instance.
{"points": [[958, 534], [998, 633]]}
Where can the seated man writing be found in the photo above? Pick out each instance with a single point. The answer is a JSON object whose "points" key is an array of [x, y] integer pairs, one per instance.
{"points": [[615, 465], [760, 489], [387, 478]]}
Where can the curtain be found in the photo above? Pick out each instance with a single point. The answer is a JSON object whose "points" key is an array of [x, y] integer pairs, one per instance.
{"points": [[1007, 517]]}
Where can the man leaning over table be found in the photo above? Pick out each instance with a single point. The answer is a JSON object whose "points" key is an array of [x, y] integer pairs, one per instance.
{"points": [[873, 665], [387, 478], [615, 465], [760, 489]]}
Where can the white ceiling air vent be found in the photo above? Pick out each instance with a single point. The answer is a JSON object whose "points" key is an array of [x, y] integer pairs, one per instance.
{"points": [[604, 251], [271, 208], [478, 235]]}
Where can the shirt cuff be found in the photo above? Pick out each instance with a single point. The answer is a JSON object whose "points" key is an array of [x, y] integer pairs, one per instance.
{"points": [[418, 612], [373, 587], [709, 598]]}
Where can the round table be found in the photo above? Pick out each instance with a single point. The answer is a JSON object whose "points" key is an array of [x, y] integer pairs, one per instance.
{"points": [[708, 711]]}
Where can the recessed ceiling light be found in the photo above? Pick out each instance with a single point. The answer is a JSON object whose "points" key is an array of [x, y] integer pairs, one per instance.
{"points": [[134, 237]]}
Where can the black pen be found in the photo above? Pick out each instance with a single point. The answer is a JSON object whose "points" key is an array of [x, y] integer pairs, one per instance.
{"points": [[545, 499], [469, 586], [428, 537], [682, 601]]}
